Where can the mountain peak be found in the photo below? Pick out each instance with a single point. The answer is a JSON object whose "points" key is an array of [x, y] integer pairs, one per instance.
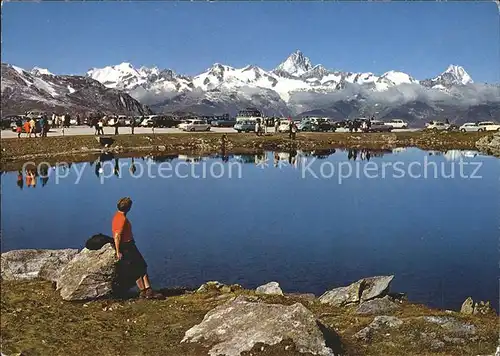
{"points": [[40, 71], [296, 64], [459, 74]]}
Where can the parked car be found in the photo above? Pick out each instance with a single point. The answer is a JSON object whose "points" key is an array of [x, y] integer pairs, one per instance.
{"points": [[326, 126], [284, 126], [379, 126], [437, 126], [397, 124], [307, 126], [469, 127], [10, 121], [488, 126], [223, 123], [197, 125], [244, 126]]}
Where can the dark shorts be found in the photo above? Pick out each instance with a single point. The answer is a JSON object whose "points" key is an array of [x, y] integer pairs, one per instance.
{"points": [[132, 264]]}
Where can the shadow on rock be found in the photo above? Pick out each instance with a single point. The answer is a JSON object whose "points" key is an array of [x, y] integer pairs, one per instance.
{"points": [[332, 339]]}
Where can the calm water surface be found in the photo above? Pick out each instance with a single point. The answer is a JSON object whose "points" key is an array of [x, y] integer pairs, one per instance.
{"points": [[439, 236]]}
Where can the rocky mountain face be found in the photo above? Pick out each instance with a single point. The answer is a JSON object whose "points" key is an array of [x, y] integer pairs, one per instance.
{"points": [[40, 90]]}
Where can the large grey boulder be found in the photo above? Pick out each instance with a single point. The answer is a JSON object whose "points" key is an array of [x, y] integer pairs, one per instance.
{"points": [[238, 325], [360, 291], [90, 274], [489, 144], [271, 288], [31, 263]]}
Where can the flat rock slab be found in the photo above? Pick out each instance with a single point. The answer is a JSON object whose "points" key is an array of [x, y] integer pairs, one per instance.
{"points": [[90, 274], [271, 288], [452, 325], [238, 325], [377, 306], [362, 290], [30, 263]]}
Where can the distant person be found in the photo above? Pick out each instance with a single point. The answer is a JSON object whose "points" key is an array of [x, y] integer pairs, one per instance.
{"points": [[27, 128], [132, 125], [42, 126], [447, 122], [131, 264], [95, 125], [117, 124], [100, 125], [293, 130], [78, 120], [19, 128], [276, 125], [32, 127], [257, 127]]}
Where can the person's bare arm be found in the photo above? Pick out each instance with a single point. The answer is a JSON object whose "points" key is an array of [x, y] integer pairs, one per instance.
{"points": [[117, 238]]}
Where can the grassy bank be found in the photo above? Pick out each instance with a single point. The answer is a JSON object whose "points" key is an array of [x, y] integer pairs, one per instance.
{"points": [[83, 148], [35, 321]]}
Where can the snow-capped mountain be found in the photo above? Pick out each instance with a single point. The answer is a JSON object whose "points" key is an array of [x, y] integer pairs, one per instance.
{"points": [[295, 65], [298, 86], [38, 89], [295, 74], [453, 75]]}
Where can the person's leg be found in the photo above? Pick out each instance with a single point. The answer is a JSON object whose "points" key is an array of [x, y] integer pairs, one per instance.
{"points": [[140, 284], [146, 282]]}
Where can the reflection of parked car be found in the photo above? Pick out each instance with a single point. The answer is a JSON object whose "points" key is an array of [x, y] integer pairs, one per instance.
{"points": [[488, 126], [379, 126], [469, 127], [437, 126], [197, 125], [244, 126], [397, 124]]}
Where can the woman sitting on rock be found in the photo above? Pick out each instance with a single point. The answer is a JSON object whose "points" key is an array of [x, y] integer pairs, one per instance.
{"points": [[132, 264]]}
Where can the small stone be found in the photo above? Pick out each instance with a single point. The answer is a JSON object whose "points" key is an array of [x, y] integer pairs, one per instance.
{"points": [[467, 306], [271, 288]]}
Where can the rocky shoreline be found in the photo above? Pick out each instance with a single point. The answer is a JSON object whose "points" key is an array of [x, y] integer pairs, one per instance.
{"points": [[83, 148], [362, 318]]}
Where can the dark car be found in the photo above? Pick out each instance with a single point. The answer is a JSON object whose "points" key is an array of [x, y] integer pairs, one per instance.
{"points": [[223, 123], [166, 121], [326, 126], [10, 121]]}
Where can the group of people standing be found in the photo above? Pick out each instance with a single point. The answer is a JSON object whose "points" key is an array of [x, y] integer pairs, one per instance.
{"points": [[261, 128]]}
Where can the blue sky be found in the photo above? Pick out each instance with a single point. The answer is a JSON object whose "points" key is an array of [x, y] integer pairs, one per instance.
{"points": [[420, 38]]}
